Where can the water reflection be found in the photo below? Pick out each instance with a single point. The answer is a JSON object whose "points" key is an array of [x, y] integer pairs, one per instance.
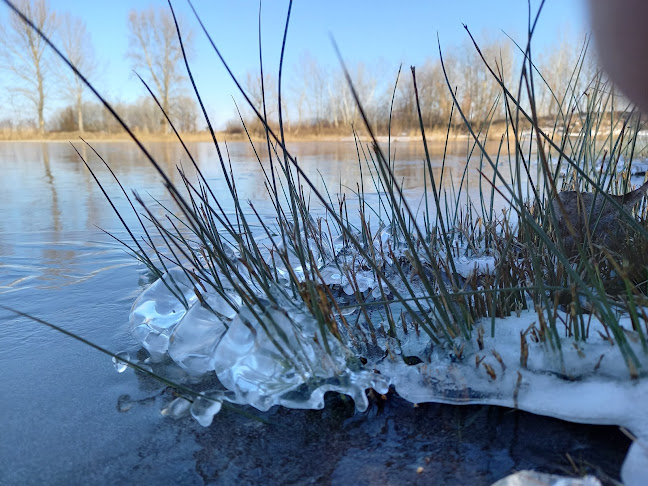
{"points": [[48, 198], [49, 178]]}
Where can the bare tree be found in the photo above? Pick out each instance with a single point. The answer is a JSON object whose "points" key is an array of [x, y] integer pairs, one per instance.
{"points": [[342, 109], [556, 65], [24, 54], [310, 91], [77, 46], [478, 88], [154, 48], [254, 90], [567, 70], [184, 112]]}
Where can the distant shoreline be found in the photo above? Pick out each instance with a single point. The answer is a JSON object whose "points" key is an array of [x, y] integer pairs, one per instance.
{"points": [[432, 135]]}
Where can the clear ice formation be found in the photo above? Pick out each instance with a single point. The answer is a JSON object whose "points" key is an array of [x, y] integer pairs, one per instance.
{"points": [[292, 368], [158, 309], [275, 354]]}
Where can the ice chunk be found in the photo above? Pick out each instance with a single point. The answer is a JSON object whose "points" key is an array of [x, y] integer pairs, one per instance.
{"points": [[350, 279], [331, 275], [361, 281], [158, 309], [248, 362], [178, 408], [390, 238], [338, 244], [205, 407], [277, 356], [194, 339], [319, 249], [120, 361]]}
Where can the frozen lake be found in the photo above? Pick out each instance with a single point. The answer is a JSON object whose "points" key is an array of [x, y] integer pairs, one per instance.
{"points": [[66, 415]]}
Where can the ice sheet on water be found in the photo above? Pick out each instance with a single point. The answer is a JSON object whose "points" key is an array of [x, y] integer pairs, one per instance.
{"points": [[585, 384], [637, 168]]}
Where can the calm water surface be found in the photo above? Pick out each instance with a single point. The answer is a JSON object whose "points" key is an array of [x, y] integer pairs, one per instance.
{"points": [[66, 415]]}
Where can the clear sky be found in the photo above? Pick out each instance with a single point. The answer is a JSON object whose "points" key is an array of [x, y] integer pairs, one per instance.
{"points": [[384, 31]]}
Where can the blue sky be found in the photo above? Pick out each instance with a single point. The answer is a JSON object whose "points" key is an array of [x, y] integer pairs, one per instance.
{"points": [[370, 31]]}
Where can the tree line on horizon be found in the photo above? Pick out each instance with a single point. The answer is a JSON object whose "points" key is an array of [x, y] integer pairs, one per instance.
{"points": [[39, 79], [316, 99]]}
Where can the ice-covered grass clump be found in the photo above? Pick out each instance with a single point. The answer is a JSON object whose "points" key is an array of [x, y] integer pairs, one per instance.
{"points": [[262, 356], [584, 381], [276, 352], [410, 291], [517, 367]]}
